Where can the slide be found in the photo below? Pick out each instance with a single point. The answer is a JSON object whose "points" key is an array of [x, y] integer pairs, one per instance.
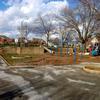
{"points": [[48, 50]]}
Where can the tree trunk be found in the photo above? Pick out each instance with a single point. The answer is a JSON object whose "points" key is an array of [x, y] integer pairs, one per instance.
{"points": [[84, 47], [83, 42], [47, 39]]}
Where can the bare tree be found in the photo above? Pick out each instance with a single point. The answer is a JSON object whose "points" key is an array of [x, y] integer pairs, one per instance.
{"points": [[82, 19], [23, 29], [45, 25]]}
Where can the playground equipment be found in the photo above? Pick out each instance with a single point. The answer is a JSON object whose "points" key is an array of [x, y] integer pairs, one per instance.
{"points": [[49, 48], [46, 49]]}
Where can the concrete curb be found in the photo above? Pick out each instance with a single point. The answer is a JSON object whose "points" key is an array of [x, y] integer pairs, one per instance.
{"points": [[19, 67], [14, 67], [4, 60], [92, 69]]}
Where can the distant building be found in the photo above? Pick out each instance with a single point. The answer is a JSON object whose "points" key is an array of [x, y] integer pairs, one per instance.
{"points": [[36, 42], [93, 40], [5, 40]]}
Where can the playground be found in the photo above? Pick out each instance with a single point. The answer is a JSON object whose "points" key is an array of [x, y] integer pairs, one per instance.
{"points": [[56, 58], [52, 54]]}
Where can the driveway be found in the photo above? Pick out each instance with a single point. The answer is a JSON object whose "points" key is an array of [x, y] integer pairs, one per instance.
{"points": [[48, 82]]}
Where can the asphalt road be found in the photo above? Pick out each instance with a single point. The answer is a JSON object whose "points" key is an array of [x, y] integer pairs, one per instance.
{"points": [[49, 82]]}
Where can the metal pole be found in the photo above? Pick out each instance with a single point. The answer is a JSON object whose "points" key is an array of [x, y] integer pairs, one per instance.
{"points": [[61, 46], [74, 51], [82, 50], [67, 49]]}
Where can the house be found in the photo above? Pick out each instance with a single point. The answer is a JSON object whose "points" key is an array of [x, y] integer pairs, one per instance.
{"points": [[5, 40], [36, 42], [93, 40], [96, 38], [2, 40]]}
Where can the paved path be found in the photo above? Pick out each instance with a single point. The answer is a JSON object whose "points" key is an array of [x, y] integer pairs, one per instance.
{"points": [[68, 82]]}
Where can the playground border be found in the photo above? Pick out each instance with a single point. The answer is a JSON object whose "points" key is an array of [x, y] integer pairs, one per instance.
{"points": [[5, 61], [92, 69]]}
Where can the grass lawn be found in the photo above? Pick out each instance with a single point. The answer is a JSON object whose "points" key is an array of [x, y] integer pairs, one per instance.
{"points": [[15, 59]]}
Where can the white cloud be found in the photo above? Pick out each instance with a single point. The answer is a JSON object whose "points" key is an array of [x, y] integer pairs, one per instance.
{"points": [[26, 10], [54, 7]]}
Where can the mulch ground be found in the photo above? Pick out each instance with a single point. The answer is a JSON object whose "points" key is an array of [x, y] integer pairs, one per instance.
{"points": [[48, 59]]}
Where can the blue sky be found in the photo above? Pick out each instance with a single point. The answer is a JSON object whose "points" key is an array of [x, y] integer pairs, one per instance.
{"points": [[12, 12], [4, 6]]}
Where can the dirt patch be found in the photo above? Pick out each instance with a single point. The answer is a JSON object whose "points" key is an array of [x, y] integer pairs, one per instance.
{"points": [[61, 60]]}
